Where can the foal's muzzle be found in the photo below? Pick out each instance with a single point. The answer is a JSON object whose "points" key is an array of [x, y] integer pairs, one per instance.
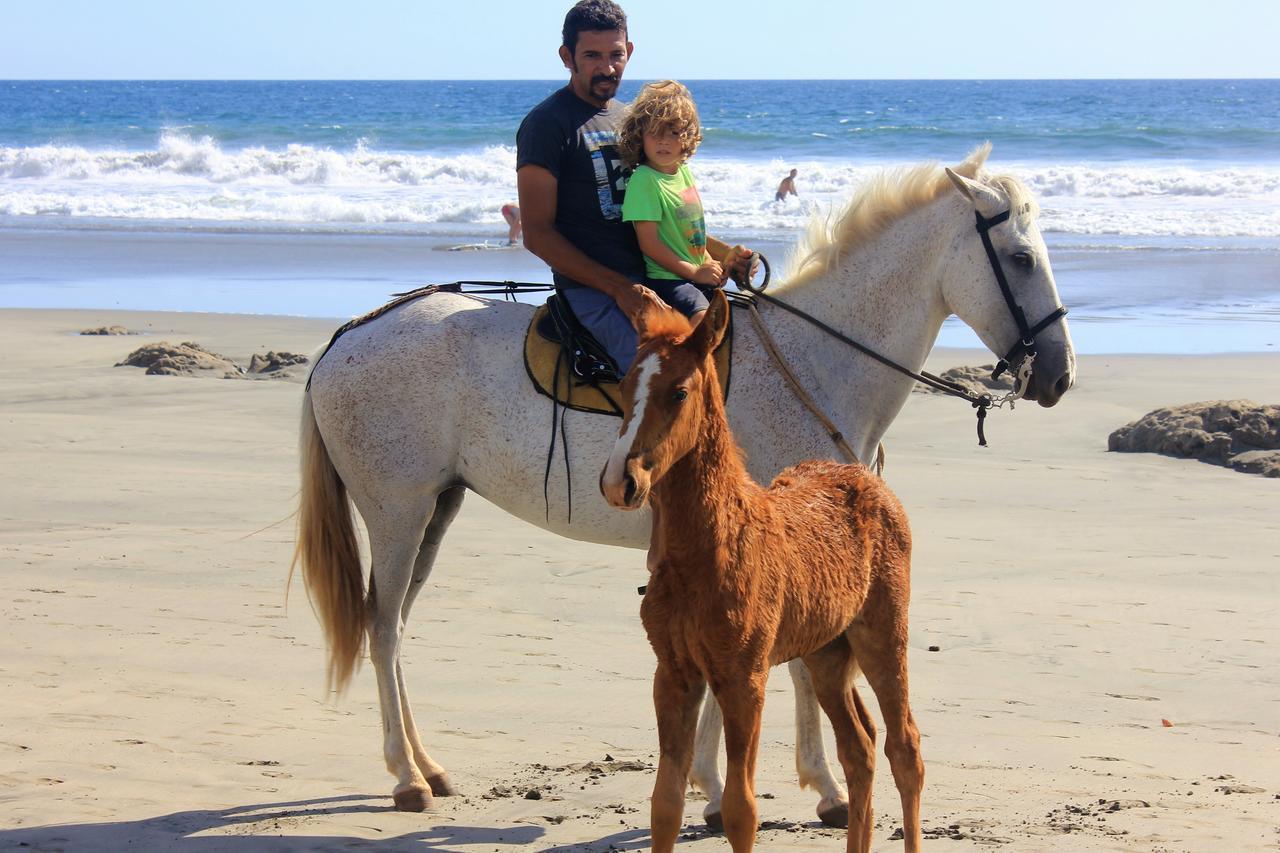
{"points": [[629, 489]]}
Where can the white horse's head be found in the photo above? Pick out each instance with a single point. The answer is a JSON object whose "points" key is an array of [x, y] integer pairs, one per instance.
{"points": [[1014, 250]]}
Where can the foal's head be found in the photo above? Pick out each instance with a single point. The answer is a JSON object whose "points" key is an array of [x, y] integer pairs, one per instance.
{"points": [[663, 400]]}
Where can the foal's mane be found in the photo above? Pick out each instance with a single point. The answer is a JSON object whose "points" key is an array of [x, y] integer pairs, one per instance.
{"points": [[664, 323], [886, 198]]}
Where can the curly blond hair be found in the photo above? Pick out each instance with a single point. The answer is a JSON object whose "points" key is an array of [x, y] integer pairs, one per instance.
{"points": [[664, 105]]}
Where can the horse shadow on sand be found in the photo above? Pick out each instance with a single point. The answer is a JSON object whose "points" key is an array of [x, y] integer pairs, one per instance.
{"points": [[265, 827]]}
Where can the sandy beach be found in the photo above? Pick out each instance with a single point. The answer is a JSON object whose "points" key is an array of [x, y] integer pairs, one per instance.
{"points": [[157, 693]]}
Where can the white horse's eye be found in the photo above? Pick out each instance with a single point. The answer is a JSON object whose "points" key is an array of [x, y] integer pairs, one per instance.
{"points": [[1024, 260]]}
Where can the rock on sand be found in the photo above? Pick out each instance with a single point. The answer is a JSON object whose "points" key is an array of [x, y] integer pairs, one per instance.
{"points": [[185, 359], [1240, 434], [274, 363]]}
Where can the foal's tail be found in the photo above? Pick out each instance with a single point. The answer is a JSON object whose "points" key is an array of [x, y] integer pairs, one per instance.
{"points": [[329, 552]]}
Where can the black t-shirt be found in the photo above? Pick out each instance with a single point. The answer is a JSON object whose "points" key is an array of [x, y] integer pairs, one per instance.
{"points": [[577, 142]]}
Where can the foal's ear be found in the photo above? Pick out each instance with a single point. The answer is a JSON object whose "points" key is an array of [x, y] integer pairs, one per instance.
{"points": [[656, 318], [710, 331]]}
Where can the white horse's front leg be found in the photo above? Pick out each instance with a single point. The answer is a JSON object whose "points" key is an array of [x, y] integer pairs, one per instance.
{"points": [[811, 756], [704, 772]]}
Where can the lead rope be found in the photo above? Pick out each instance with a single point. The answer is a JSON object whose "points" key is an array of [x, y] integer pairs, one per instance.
{"points": [[837, 437]]}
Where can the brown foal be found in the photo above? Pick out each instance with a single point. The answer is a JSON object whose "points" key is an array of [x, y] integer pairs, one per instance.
{"points": [[817, 566]]}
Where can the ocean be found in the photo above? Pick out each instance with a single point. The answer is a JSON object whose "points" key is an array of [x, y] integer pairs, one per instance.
{"points": [[1160, 199]]}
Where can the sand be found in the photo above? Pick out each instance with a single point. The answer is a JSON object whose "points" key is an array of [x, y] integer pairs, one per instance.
{"points": [[156, 694]]}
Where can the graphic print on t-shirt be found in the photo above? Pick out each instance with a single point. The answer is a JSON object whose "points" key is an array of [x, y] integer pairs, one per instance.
{"points": [[693, 223], [611, 178]]}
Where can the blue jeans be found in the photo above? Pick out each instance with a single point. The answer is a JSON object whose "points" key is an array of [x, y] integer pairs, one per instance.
{"points": [[608, 325]]}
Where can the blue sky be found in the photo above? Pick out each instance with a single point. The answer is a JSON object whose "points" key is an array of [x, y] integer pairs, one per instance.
{"points": [[691, 39]]}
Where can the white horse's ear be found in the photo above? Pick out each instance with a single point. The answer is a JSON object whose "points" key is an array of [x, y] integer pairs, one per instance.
{"points": [[710, 332], [961, 182], [982, 197]]}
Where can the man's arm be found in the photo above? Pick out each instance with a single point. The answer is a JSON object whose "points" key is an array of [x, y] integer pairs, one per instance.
{"points": [[537, 190]]}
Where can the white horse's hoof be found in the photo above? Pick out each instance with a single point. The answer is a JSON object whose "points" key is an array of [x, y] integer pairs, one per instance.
{"points": [[834, 813], [715, 821], [413, 799], [441, 786]]}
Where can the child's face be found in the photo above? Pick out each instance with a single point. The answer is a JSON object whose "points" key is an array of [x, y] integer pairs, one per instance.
{"points": [[662, 149]]}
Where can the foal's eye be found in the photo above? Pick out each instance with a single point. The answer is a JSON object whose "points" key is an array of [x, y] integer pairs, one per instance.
{"points": [[1023, 260], [679, 395]]}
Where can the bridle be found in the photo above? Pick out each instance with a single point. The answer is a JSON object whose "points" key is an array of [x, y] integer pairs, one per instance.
{"points": [[1024, 347], [1026, 344]]}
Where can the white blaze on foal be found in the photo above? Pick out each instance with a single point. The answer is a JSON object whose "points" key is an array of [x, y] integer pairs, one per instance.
{"points": [[616, 467]]}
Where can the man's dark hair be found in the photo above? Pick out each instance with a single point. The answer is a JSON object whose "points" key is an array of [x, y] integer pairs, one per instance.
{"points": [[594, 15]]}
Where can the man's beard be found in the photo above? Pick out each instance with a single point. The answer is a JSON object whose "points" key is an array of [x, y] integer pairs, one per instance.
{"points": [[608, 84]]}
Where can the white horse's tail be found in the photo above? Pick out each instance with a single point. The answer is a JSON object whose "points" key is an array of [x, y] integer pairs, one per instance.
{"points": [[329, 552]]}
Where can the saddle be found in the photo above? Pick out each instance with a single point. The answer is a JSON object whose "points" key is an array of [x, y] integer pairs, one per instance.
{"points": [[568, 365]]}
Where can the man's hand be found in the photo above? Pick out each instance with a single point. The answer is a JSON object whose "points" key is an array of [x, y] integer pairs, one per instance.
{"points": [[739, 265], [635, 299]]}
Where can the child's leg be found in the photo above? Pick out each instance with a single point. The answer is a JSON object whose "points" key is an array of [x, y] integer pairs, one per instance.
{"points": [[686, 297]]}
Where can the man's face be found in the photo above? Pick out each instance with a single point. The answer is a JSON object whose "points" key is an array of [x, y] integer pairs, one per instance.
{"points": [[597, 63]]}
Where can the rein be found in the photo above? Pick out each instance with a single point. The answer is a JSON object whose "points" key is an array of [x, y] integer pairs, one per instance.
{"points": [[981, 402]]}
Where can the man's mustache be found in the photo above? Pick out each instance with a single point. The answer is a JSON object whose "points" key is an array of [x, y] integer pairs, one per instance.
{"points": [[604, 79]]}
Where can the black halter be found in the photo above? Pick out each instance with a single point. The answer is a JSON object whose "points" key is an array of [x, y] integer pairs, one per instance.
{"points": [[1026, 344]]}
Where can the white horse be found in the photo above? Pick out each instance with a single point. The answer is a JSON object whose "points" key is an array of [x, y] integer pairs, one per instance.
{"points": [[406, 412]]}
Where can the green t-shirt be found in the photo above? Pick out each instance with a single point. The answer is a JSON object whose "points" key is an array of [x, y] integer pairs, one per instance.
{"points": [[673, 202]]}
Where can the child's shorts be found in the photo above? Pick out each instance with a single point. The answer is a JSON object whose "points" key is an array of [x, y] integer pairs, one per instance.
{"points": [[606, 322]]}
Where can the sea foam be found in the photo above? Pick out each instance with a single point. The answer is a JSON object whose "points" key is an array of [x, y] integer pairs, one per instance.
{"points": [[195, 179]]}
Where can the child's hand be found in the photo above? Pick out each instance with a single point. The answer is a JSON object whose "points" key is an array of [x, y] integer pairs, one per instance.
{"points": [[710, 273]]}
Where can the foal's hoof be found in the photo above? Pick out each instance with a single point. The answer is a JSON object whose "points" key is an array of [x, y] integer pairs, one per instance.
{"points": [[834, 813], [715, 821], [441, 786], [413, 800]]}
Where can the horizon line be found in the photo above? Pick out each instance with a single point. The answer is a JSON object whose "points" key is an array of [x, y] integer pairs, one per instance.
{"points": [[557, 79]]}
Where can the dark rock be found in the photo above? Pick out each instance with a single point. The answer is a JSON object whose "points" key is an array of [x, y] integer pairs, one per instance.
{"points": [[108, 330], [185, 359], [1239, 434], [274, 362]]}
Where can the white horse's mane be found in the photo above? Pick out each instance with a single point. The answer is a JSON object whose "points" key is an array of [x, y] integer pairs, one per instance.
{"points": [[888, 196]]}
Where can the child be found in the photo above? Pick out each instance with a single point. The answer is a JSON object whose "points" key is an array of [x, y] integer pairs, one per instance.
{"points": [[659, 134]]}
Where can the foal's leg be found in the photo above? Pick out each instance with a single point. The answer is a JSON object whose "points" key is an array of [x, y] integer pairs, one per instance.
{"points": [[447, 506], [868, 727], [832, 669], [395, 532], [741, 699], [882, 653], [675, 699], [811, 757]]}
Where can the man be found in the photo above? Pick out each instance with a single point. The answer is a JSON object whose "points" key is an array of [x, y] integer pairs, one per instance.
{"points": [[787, 187], [571, 183]]}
